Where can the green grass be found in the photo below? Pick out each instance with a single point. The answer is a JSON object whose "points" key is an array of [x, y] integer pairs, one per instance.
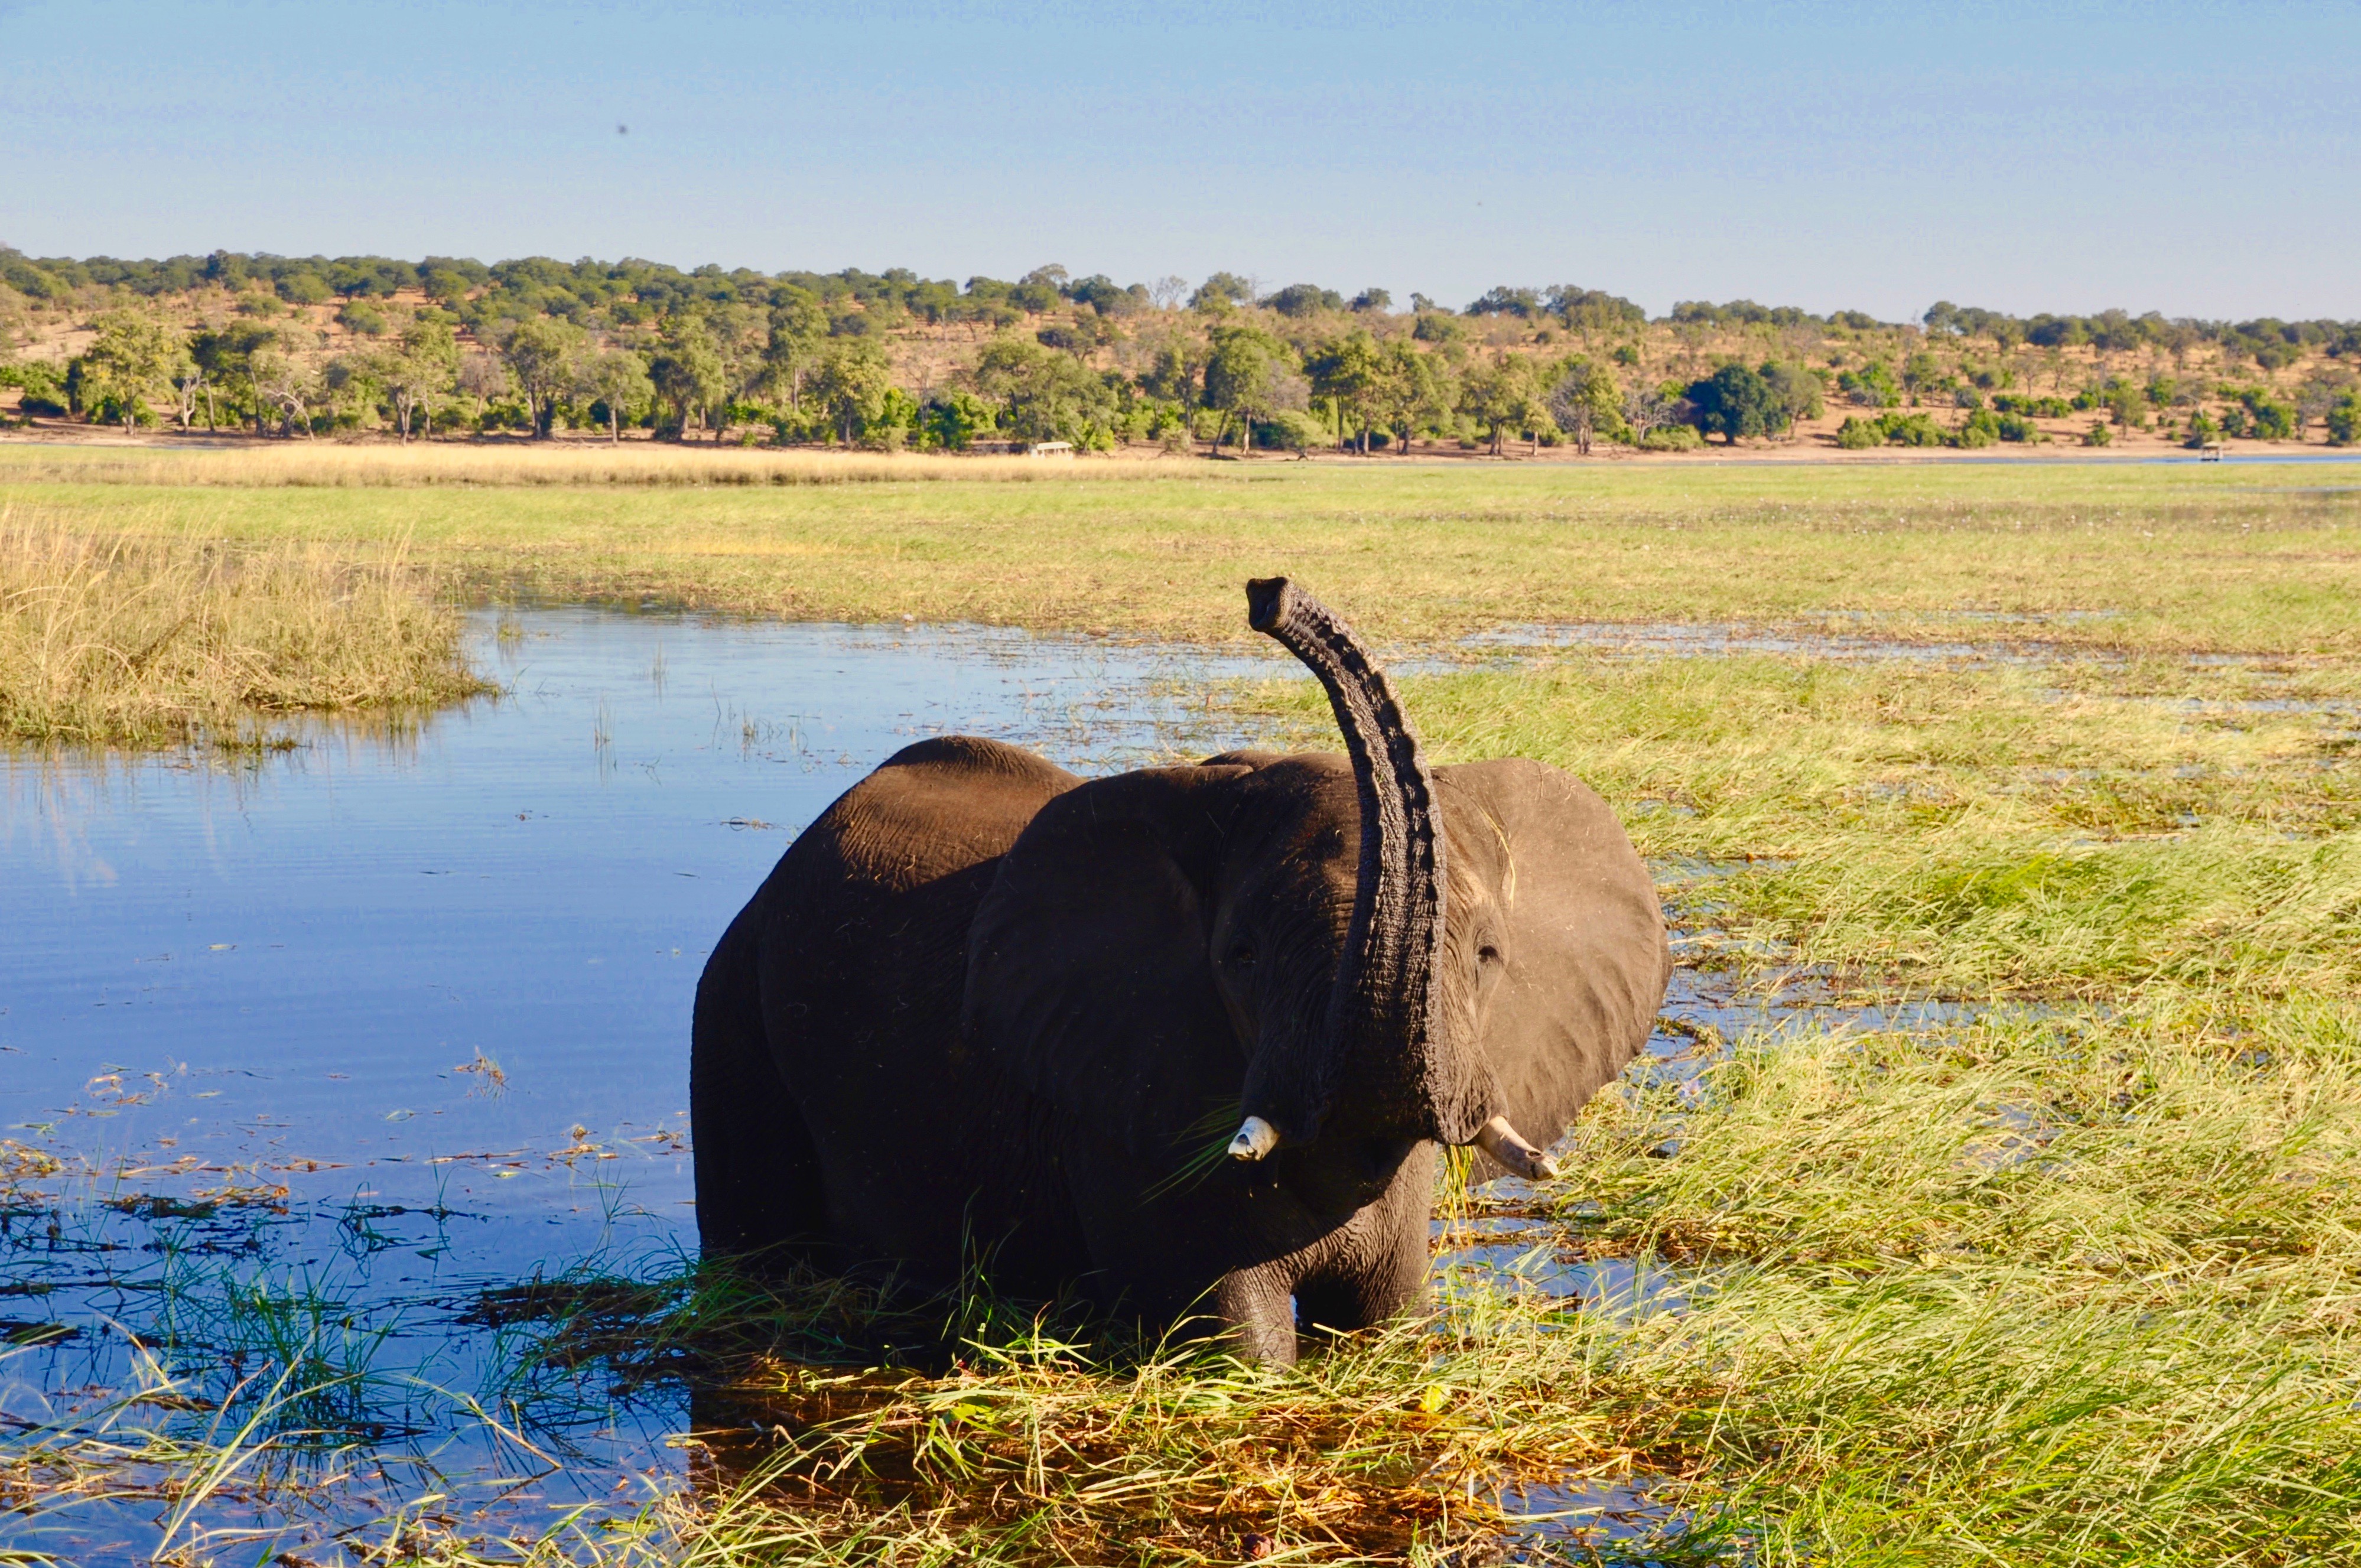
{"points": [[2163, 556], [2044, 830], [2045, 1290]]}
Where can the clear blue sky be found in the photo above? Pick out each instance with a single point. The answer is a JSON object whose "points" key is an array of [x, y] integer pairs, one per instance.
{"points": [[2201, 159]]}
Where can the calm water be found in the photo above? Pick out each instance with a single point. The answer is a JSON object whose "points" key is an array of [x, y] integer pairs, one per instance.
{"points": [[299, 1056]]}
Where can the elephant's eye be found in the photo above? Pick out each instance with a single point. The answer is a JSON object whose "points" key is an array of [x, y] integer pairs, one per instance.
{"points": [[1488, 954], [1243, 955]]}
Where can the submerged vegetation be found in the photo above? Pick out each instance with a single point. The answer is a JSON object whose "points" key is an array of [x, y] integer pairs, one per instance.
{"points": [[143, 639]]}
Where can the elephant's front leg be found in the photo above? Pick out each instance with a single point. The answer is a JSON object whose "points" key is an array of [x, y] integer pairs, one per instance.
{"points": [[1257, 1305], [1375, 1265]]}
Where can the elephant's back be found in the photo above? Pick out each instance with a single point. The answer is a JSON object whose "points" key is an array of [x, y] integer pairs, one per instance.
{"points": [[934, 809]]}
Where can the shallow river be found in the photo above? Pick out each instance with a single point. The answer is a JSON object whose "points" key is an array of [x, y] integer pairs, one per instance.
{"points": [[298, 1054], [302, 1054]]}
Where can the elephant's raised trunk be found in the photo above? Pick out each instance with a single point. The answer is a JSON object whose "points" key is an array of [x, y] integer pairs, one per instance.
{"points": [[1382, 1006]]}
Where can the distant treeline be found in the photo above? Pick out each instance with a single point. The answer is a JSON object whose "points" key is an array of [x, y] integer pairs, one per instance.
{"points": [[893, 360], [628, 292]]}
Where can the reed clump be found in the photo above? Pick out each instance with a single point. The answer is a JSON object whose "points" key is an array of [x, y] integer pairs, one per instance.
{"points": [[119, 638]]}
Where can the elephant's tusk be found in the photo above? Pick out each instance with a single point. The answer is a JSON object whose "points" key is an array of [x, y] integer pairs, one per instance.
{"points": [[1500, 1140], [1256, 1138]]}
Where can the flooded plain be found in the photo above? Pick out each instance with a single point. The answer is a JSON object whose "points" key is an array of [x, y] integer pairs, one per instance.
{"points": [[313, 1058]]}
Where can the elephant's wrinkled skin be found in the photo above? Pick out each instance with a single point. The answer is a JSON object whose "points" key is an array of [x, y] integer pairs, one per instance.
{"points": [[983, 1008]]}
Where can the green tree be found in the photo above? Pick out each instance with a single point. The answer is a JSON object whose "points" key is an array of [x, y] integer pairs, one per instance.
{"points": [[482, 377], [2125, 403], [741, 338], [1733, 403], [132, 358], [422, 366], [1585, 399], [1922, 373], [2343, 420], [1795, 390], [1177, 373], [687, 374], [618, 378], [1221, 291], [1414, 392], [851, 384], [1504, 396], [1350, 372], [1250, 374], [1043, 395], [951, 420], [2269, 418], [225, 359], [1485, 396], [1871, 386], [2318, 394], [347, 384], [544, 356], [799, 329]]}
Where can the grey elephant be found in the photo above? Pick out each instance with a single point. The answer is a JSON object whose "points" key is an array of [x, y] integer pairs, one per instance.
{"points": [[1185, 1038]]}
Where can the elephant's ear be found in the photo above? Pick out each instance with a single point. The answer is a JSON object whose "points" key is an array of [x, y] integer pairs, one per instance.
{"points": [[1088, 980], [1583, 935]]}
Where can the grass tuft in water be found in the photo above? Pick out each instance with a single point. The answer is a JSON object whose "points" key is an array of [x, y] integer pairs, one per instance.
{"points": [[127, 640]]}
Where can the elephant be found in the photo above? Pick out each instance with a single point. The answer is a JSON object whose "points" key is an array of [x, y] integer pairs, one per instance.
{"points": [[1184, 1039]]}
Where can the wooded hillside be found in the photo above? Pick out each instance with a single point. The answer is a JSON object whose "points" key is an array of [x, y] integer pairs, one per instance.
{"points": [[313, 346]]}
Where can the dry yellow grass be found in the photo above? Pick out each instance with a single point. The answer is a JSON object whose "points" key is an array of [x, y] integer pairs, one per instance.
{"points": [[309, 464], [117, 639]]}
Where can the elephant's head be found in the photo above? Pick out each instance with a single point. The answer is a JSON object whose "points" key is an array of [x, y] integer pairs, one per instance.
{"points": [[1345, 956]]}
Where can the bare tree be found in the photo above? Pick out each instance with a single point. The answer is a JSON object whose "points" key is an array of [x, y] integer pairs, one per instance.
{"points": [[189, 384], [483, 378], [282, 384], [1646, 408]]}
